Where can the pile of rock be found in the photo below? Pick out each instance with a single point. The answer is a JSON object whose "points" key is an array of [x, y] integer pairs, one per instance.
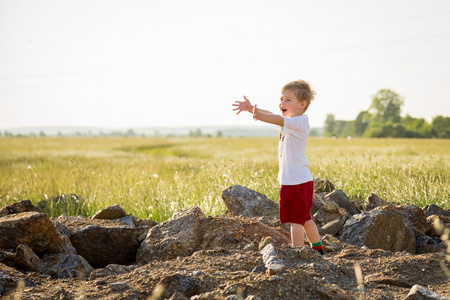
{"points": [[113, 242]]}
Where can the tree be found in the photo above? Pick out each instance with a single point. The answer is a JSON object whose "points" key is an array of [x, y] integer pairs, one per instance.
{"points": [[361, 122], [330, 124], [387, 105], [441, 126]]}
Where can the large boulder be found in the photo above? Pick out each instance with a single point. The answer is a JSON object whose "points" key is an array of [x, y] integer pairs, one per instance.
{"points": [[102, 242], [243, 201], [413, 216], [379, 229], [237, 232], [35, 230], [178, 236]]}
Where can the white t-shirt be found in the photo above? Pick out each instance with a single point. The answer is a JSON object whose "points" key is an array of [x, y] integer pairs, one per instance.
{"points": [[293, 165]]}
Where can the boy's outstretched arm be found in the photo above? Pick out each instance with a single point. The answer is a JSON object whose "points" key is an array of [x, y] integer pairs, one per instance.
{"points": [[268, 117], [246, 106]]}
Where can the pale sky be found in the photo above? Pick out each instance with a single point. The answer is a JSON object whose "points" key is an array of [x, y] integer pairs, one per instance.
{"points": [[133, 64]]}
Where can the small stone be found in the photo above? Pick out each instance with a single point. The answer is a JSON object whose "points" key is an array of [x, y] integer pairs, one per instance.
{"points": [[118, 286]]}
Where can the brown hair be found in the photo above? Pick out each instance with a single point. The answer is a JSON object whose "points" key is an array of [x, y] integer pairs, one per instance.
{"points": [[302, 91]]}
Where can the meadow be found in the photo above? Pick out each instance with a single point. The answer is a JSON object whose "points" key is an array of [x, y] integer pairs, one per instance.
{"points": [[154, 177]]}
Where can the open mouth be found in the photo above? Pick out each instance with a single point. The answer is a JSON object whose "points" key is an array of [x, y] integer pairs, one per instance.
{"points": [[284, 110]]}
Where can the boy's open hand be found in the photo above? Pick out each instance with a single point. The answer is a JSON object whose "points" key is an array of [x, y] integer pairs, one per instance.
{"points": [[242, 105]]}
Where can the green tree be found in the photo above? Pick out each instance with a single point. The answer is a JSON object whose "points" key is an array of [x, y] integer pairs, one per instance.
{"points": [[387, 105], [441, 126], [330, 124], [361, 122]]}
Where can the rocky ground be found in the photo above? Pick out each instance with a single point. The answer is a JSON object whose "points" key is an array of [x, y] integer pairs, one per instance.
{"points": [[230, 274], [380, 252]]}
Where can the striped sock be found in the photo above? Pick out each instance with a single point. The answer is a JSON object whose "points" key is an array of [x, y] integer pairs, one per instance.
{"points": [[318, 246]]}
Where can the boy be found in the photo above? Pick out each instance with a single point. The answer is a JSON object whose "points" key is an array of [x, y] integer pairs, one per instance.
{"points": [[297, 187]]}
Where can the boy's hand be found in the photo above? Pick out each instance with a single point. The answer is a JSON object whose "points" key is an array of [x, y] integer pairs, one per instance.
{"points": [[243, 106]]}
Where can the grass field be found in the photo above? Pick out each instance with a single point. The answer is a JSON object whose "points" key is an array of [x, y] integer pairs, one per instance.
{"points": [[154, 177]]}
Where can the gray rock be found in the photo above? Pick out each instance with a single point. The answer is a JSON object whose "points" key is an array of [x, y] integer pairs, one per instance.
{"points": [[178, 236], [332, 227], [118, 286], [272, 262], [379, 229], [243, 201], [419, 292], [343, 201], [67, 266]]}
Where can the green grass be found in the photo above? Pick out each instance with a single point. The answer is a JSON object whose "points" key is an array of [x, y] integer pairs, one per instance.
{"points": [[154, 177]]}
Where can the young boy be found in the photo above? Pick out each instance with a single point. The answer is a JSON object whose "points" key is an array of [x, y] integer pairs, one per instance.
{"points": [[297, 187]]}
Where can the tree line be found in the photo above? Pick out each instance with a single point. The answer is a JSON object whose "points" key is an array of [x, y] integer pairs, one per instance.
{"points": [[382, 119]]}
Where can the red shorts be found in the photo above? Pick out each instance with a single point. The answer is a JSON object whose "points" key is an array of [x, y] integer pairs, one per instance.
{"points": [[296, 202]]}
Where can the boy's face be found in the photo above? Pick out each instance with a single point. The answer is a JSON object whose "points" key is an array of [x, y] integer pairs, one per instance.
{"points": [[290, 106]]}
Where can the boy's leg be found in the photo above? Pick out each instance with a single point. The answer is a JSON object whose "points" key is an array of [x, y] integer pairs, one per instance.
{"points": [[313, 236], [311, 231], [297, 235]]}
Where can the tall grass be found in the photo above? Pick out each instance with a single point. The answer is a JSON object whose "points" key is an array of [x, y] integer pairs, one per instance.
{"points": [[154, 177]]}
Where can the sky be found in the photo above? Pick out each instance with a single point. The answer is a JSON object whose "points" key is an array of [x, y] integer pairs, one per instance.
{"points": [[177, 63]]}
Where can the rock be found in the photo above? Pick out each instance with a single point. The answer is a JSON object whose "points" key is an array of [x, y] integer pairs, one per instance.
{"points": [[179, 296], [67, 266], [5, 280], [118, 286], [178, 283], [323, 186], [378, 229], [413, 216], [436, 224], [426, 244], [243, 201], [332, 227], [237, 232], [35, 230], [103, 242], [28, 260], [433, 209], [328, 210], [111, 270], [179, 236], [19, 207], [419, 292], [272, 263], [110, 213], [372, 201], [343, 201]]}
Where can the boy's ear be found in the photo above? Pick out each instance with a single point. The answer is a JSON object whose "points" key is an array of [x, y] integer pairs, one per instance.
{"points": [[303, 104]]}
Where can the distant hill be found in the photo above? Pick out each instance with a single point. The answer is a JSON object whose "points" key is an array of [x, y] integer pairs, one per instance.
{"points": [[225, 131]]}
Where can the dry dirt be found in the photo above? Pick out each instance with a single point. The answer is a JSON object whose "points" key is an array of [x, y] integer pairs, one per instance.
{"points": [[231, 274]]}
